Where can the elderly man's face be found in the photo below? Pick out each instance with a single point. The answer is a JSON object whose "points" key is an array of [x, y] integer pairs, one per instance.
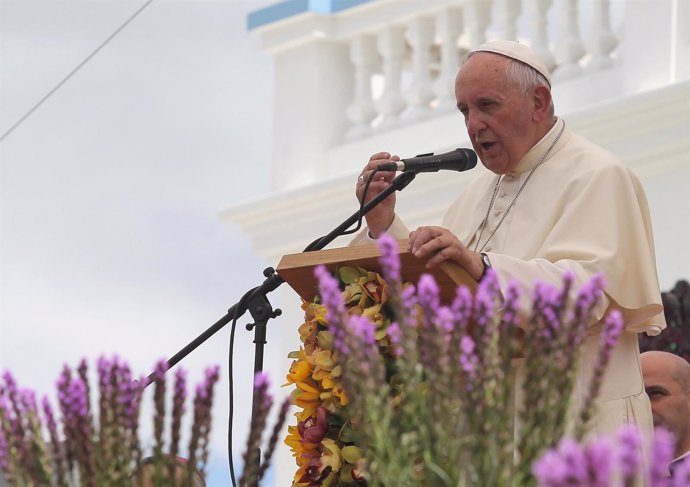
{"points": [[669, 396], [498, 115]]}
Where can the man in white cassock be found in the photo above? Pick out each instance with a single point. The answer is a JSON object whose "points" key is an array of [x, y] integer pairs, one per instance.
{"points": [[551, 202]]}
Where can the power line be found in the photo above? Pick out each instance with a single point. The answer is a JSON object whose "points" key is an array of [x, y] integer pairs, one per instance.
{"points": [[73, 72]]}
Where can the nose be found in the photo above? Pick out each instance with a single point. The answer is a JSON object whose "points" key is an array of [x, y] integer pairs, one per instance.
{"points": [[474, 123]]}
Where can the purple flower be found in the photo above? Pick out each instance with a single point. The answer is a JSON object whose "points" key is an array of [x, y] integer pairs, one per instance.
{"points": [[330, 294], [484, 299], [511, 306], [599, 455], [550, 470], [629, 452], [390, 260], [444, 320], [4, 455], [428, 292], [77, 399], [588, 295], [261, 380], [395, 335], [361, 327], [681, 473], [468, 359], [612, 330], [462, 306], [575, 461], [662, 454]]}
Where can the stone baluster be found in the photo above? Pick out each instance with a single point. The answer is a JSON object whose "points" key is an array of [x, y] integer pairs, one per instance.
{"points": [[365, 60], [569, 48], [391, 45], [477, 18], [448, 29], [540, 38], [508, 12], [420, 36], [602, 39]]}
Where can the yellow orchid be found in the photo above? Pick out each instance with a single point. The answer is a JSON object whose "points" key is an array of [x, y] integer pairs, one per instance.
{"points": [[325, 339], [374, 287], [331, 457], [300, 371]]}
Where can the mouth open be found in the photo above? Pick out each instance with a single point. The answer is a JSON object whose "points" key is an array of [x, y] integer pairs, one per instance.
{"points": [[487, 145]]}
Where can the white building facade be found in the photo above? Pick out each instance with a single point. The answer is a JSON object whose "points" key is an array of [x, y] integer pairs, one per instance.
{"points": [[355, 77]]}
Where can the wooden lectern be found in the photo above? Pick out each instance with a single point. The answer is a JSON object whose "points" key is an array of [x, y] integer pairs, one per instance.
{"points": [[298, 269]]}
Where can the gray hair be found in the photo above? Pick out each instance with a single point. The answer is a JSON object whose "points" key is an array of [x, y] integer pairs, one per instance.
{"points": [[523, 75]]}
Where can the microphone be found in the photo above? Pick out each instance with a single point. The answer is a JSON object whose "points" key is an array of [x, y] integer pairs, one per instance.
{"points": [[455, 160]]}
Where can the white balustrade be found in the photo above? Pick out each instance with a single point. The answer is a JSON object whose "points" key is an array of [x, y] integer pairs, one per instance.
{"points": [[420, 36], [508, 12], [448, 29], [391, 45], [603, 42], [477, 18], [569, 48], [538, 12], [404, 55], [365, 60]]}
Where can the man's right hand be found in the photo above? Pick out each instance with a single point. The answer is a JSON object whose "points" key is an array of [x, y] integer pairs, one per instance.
{"points": [[381, 217]]}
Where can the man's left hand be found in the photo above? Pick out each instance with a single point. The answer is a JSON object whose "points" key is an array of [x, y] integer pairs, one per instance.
{"points": [[441, 245]]}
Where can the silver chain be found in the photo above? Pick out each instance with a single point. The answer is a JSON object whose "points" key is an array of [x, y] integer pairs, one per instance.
{"points": [[496, 188]]}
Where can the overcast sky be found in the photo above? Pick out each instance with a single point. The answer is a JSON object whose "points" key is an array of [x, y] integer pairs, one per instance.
{"points": [[109, 193]]}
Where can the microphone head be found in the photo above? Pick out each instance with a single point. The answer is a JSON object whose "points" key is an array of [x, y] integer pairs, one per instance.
{"points": [[455, 160]]}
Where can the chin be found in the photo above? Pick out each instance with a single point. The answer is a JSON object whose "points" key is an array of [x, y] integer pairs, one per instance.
{"points": [[496, 167]]}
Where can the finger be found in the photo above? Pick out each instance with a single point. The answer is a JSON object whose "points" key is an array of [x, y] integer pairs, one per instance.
{"points": [[419, 238], [380, 155]]}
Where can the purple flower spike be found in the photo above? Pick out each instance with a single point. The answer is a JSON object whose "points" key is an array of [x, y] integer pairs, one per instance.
{"points": [[681, 473], [468, 359], [4, 452], [444, 320], [599, 455], [160, 369], [390, 260], [662, 454], [261, 380], [395, 335], [361, 327], [629, 452], [428, 292], [483, 306], [550, 470], [462, 305], [330, 294], [575, 462], [612, 329]]}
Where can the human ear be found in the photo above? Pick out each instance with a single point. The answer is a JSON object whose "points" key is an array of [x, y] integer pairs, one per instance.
{"points": [[541, 100]]}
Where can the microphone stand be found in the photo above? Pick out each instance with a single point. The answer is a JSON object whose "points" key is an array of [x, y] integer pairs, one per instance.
{"points": [[256, 299]]}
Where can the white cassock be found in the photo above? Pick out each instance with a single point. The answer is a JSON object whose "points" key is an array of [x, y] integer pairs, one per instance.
{"points": [[581, 210]]}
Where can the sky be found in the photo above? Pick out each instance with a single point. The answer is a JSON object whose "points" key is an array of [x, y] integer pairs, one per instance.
{"points": [[110, 192]]}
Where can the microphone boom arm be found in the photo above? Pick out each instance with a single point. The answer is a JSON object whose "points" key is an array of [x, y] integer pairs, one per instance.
{"points": [[398, 184]]}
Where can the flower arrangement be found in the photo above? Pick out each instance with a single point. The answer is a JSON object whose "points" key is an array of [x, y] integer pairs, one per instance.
{"points": [[94, 441], [321, 440], [398, 389]]}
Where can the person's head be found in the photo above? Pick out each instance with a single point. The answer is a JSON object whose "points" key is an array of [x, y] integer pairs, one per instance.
{"points": [[506, 102], [667, 382]]}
